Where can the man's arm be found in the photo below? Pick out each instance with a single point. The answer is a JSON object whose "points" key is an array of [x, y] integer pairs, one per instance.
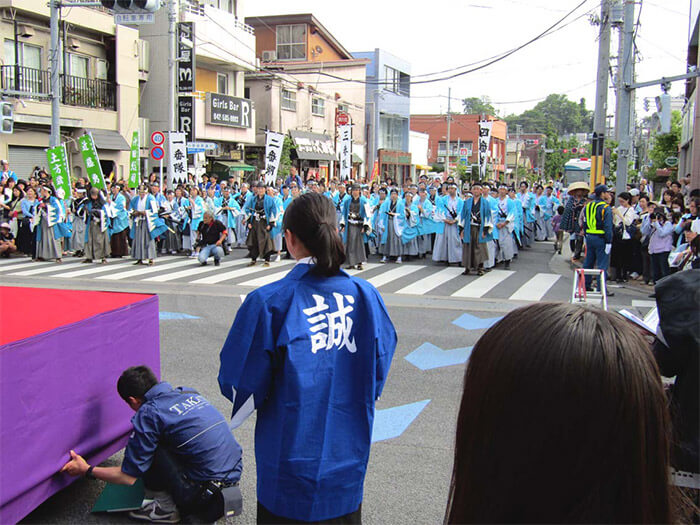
{"points": [[77, 466]]}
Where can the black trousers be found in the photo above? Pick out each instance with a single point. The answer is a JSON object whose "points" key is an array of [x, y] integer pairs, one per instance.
{"points": [[268, 518], [166, 474]]}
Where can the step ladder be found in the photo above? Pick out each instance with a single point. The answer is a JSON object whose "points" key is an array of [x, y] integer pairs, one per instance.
{"points": [[580, 295]]}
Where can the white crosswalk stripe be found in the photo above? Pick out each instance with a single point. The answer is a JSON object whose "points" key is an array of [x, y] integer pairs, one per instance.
{"points": [[484, 284], [266, 279], [233, 274], [197, 270], [142, 270], [535, 288], [392, 275], [13, 260], [365, 268], [96, 268], [28, 263], [431, 282], [53, 267]]}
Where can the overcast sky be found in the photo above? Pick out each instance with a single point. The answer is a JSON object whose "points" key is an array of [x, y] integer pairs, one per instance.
{"points": [[443, 34]]}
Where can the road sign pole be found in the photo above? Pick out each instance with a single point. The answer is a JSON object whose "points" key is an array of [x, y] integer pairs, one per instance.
{"points": [[161, 174]]}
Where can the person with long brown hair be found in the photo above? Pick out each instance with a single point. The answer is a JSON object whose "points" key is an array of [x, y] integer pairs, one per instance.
{"points": [[563, 419]]}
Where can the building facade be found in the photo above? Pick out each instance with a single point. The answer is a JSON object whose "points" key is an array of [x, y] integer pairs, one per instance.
{"points": [[387, 114], [224, 50], [464, 136], [102, 65], [308, 78], [689, 154]]}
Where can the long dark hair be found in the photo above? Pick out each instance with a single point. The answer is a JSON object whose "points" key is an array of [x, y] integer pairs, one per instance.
{"points": [[563, 419], [311, 217]]}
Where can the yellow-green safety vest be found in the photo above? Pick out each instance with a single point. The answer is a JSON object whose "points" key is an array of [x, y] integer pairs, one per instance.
{"points": [[592, 225]]}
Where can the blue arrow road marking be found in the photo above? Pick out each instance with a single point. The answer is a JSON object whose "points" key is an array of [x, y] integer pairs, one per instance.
{"points": [[428, 356], [391, 422], [471, 322], [171, 316]]}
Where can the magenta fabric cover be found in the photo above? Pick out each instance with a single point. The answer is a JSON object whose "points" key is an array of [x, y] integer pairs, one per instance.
{"points": [[58, 392]]}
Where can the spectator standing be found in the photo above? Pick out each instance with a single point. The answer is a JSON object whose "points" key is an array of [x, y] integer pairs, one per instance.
{"points": [[660, 234], [577, 194], [6, 173], [625, 235]]}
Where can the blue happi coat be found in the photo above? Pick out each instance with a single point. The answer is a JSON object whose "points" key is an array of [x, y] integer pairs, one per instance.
{"points": [[181, 207], [197, 209], [466, 219], [279, 217], [311, 354], [61, 229], [231, 215], [152, 205], [345, 212], [427, 223], [269, 204], [547, 205], [409, 226], [120, 221], [442, 212], [384, 218]]}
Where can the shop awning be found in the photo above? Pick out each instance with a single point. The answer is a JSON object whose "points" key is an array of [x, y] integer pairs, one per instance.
{"points": [[235, 166], [108, 139], [423, 167], [313, 146], [356, 159]]}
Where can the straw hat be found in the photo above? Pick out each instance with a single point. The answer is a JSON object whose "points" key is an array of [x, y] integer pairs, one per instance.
{"points": [[578, 186]]}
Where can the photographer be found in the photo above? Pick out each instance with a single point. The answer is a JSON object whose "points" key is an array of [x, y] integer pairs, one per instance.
{"points": [[181, 447], [660, 234], [212, 235]]}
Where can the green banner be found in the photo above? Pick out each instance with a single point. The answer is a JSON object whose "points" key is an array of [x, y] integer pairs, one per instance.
{"points": [[135, 162], [60, 173], [92, 162]]}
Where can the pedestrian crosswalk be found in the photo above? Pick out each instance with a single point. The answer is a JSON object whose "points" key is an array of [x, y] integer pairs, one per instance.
{"points": [[413, 279]]}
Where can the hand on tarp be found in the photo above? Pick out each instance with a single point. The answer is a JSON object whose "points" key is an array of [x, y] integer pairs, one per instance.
{"points": [[77, 466]]}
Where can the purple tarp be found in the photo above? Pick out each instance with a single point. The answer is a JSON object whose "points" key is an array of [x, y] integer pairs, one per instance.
{"points": [[58, 392]]}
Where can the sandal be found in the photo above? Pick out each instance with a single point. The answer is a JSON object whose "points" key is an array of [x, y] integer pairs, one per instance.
{"points": [[150, 262]]}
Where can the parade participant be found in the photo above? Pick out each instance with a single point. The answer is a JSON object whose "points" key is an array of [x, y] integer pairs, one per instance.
{"points": [[409, 234], [147, 226], [577, 194], [448, 245], [155, 190], [80, 221], [527, 201], [476, 232], [339, 199], [170, 241], [518, 230], [598, 228], [261, 212], [26, 237], [181, 216], [187, 457], [96, 232], [276, 230], [197, 211], [241, 229], [376, 202], [293, 177], [210, 201], [506, 210], [548, 204], [390, 226], [354, 226], [491, 247], [48, 234], [7, 241], [540, 226], [581, 400], [310, 353], [211, 237], [426, 223]]}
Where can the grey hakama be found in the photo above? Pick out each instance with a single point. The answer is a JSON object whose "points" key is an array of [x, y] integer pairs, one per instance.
{"points": [[424, 244], [393, 246], [171, 242], [410, 248], [77, 241], [142, 246], [48, 247], [97, 245], [355, 247], [448, 245], [506, 245], [540, 227]]}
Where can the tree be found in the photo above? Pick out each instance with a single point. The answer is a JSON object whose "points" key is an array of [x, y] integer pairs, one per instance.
{"points": [[557, 111], [554, 162], [286, 159], [666, 145], [478, 106]]}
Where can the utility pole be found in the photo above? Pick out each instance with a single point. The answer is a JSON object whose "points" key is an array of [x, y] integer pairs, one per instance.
{"points": [[518, 129], [449, 99], [601, 97], [55, 65], [624, 116], [172, 62]]}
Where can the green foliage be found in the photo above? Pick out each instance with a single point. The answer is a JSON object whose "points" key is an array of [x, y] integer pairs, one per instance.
{"points": [[462, 173], [478, 106], [556, 113], [554, 162], [438, 168], [666, 145], [286, 159]]}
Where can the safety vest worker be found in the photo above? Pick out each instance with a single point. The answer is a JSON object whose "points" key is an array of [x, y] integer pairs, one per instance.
{"points": [[598, 228]]}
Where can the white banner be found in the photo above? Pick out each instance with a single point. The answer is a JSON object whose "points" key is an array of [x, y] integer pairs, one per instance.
{"points": [[345, 156], [484, 141], [177, 158], [273, 151]]}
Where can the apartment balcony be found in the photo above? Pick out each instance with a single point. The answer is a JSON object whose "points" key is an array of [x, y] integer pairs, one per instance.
{"points": [[221, 38], [35, 84]]}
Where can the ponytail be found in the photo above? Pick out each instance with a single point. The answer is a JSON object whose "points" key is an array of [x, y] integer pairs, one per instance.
{"points": [[311, 217]]}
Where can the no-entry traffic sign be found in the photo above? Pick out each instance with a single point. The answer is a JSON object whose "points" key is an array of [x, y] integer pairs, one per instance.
{"points": [[343, 118], [157, 153], [157, 137]]}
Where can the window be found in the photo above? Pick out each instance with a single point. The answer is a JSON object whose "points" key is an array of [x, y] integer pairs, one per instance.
{"points": [[78, 65], [101, 69], [291, 42], [391, 132], [318, 107], [29, 56], [30, 80], [289, 100], [457, 148], [392, 79], [222, 83], [343, 108]]}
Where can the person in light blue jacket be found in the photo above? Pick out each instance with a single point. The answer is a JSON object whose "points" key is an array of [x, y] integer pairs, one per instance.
{"points": [[119, 222]]}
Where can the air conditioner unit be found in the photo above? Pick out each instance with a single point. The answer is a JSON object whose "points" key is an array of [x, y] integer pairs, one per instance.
{"points": [[269, 56]]}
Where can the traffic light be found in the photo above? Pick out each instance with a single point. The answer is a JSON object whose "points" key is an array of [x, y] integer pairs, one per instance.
{"points": [[129, 6], [7, 118]]}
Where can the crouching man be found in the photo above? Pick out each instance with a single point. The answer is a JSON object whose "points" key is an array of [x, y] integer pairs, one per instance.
{"points": [[181, 447]]}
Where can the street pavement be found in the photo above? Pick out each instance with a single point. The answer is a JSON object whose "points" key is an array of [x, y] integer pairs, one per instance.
{"points": [[410, 463]]}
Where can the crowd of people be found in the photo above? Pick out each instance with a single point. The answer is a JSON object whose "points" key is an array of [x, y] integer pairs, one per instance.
{"points": [[574, 430]]}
